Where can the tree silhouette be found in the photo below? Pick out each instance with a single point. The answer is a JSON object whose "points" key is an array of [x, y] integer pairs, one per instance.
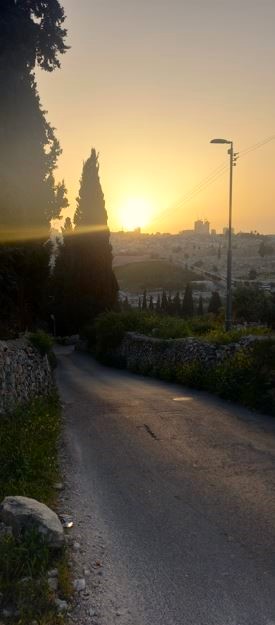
{"points": [[31, 34], [85, 284], [67, 228], [188, 304], [177, 305], [200, 307], [215, 303], [144, 301], [151, 304], [90, 211], [158, 306], [164, 302]]}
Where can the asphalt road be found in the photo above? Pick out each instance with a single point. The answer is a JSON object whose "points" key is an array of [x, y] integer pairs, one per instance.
{"points": [[183, 488]]}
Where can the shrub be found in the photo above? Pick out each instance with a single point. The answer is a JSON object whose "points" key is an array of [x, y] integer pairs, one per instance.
{"points": [[42, 341]]}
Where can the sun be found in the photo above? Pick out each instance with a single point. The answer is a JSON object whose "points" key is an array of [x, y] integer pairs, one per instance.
{"points": [[136, 212]]}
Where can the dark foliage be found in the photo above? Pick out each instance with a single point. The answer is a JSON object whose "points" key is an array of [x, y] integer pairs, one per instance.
{"points": [[30, 32], [188, 304], [84, 284], [24, 271], [215, 303], [252, 304], [200, 307]]}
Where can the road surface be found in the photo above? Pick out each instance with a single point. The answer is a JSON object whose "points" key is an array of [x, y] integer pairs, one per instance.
{"points": [[174, 491]]}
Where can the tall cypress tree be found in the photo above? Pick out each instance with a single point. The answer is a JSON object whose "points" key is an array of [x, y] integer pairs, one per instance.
{"points": [[90, 211], [85, 284], [144, 301], [200, 307], [188, 304], [31, 34], [215, 303], [164, 302]]}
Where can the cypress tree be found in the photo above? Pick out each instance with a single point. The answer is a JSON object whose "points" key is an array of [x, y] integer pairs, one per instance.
{"points": [[200, 307], [177, 305], [215, 303], [188, 304], [31, 34], [164, 302], [144, 301], [126, 305], [86, 257], [158, 306], [151, 304]]}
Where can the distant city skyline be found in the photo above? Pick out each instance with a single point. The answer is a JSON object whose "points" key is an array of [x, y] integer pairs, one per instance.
{"points": [[149, 84]]}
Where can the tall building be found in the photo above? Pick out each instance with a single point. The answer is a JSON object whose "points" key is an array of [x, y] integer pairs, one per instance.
{"points": [[201, 227]]}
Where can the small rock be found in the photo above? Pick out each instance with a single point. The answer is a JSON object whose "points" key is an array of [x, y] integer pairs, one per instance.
{"points": [[66, 520], [76, 546], [92, 612], [79, 584], [69, 540], [25, 580], [53, 583], [53, 573], [86, 572], [10, 612], [58, 486], [61, 605]]}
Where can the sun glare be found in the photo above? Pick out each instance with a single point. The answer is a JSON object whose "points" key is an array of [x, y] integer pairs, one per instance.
{"points": [[135, 213]]}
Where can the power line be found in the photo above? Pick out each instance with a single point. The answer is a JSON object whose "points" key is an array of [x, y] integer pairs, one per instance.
{"points": [[210, 179]]}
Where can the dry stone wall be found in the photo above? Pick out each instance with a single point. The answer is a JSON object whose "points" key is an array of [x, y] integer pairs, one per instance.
{"points": [[148, 354], [24, 374]]}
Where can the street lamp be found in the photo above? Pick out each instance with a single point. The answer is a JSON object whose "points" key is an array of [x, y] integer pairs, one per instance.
{"points": [[233, 158]]}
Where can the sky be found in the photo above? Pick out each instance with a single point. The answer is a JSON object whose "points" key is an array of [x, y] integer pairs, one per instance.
{"points": [[149, 83]]}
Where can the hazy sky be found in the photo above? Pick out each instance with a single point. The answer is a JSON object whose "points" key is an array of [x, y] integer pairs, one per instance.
{"points": [[148, 83]]}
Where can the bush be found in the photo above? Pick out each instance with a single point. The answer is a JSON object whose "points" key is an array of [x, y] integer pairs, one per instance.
{"points": [[248, 377], [42, 341]]}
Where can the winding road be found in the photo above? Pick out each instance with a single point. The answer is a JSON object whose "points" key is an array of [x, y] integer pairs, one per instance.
{"points": [[177, 491]]}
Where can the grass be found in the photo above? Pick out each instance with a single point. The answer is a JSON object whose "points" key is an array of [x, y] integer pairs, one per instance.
{"points": [[153, 274], [29, 467]]}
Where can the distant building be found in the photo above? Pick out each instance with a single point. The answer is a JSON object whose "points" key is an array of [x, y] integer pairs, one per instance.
{"points": [[201, 227], [225, 231], [213, 232]]}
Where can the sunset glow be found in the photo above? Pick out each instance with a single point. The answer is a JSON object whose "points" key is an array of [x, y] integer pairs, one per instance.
{"points": [[155, 108], [136, 212]]}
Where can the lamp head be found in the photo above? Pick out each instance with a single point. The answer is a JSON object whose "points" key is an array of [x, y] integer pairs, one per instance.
{"points": [[220, 141]]}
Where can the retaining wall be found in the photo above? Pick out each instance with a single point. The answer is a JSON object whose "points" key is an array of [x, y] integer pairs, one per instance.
{"points": [[142, 353], [24, 374]]}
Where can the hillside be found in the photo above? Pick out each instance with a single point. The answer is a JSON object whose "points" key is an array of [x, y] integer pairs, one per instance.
{"points": [[153, 274]]}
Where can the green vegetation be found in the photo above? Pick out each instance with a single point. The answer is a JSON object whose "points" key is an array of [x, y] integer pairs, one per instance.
{"points": [[109, 329], [28, 458], [153, 274], [247, 377], [28, 450], [42, 341]]}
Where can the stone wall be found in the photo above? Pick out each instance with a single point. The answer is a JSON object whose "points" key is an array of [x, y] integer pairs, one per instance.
{"points": [[24, 374], [143, 353]]}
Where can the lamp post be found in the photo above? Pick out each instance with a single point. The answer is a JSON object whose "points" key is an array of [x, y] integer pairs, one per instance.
{"points": [[233, 158]]}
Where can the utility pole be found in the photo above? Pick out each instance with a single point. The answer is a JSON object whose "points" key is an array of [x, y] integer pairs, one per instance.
{"points": [[233, 158]]}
